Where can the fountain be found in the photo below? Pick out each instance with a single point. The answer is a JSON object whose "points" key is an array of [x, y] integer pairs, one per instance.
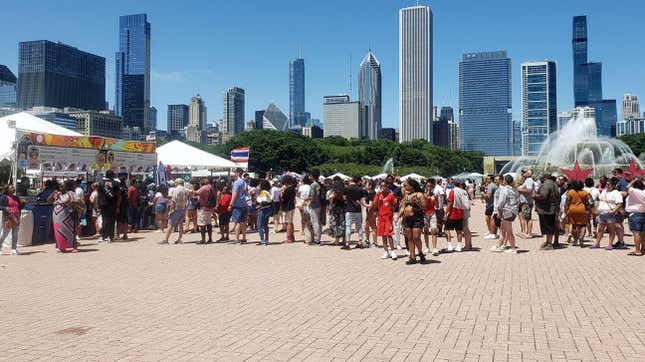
{"points": [[388, 168], [577, 141]]}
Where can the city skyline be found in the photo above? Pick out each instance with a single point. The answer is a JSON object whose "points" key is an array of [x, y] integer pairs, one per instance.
{"points": [[175, 78]]}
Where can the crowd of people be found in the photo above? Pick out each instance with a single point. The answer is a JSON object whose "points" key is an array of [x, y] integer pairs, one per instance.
{"points": [[405, 218], [571, 209]]}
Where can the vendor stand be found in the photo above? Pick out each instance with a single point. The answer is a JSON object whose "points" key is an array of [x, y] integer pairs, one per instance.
{"points": [[40, 157]]}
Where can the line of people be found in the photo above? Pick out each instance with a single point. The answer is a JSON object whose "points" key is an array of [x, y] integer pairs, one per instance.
{"points": [[571, 209], [406, 217]]}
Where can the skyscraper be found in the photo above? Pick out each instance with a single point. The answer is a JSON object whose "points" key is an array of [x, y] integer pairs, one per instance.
{"points": [[441, 132], [442, 127], [297, 92], [196, 131], [631, 106], [587, 81], [234, 111], [369, 95], [274, 119], [259, 119], [539, 105], [415, 73], [58, 75], [132, 81], [177, 119], [152, 116], [341, 116], [485, 104], [447, 113], [8, 87]]}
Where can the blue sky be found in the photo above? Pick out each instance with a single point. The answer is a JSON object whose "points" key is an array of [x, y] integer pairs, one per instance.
{"points": [[208, 46]]}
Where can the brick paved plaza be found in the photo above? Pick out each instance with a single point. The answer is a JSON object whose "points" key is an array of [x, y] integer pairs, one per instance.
{"points": [[141, 301]]}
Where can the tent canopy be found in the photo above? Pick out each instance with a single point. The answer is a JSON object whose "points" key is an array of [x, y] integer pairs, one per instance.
{"points": [[413, 175], [26, 122], [177, 154], [342, 176], [468, 175], [380, 176]]}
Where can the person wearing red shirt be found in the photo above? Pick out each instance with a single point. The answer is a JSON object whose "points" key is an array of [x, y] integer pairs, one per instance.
{"points": [[207, 201], [385, 202], [133, 205], [430, 219], [454, 220], [223, 213]]}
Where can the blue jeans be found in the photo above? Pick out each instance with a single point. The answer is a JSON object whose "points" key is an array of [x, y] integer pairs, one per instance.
{"points": [[14, 236], [133, 216], [355, 218], [637, 222], [263, 223]]}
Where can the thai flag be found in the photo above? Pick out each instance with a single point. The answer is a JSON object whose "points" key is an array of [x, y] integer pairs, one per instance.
{"points": [[240, 155]]}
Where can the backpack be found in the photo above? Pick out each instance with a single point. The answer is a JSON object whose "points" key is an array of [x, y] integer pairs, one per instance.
{"points": [[211, 202], [108, 192]]}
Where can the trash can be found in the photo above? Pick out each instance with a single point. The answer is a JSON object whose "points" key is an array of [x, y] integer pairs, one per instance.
{"points": [[43, 230], [26, 228]]}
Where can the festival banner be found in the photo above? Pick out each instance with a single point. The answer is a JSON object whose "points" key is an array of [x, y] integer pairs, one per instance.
{"points": [[84, 153]]}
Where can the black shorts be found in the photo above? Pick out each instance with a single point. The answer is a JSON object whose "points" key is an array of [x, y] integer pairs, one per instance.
{"points": [[224, 218], [489, 210], [415, 221], [497, 220], [547, 224], [441, 213], [457, 225]]}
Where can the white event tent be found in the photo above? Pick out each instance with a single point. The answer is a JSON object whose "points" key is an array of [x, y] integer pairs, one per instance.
{"points": [[342, 176], [26, 122], [179, 155], [414, 176]]}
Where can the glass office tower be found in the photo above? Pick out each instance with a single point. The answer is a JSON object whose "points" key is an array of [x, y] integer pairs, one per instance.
{"points": [[587, 81], [132, 98], [485, 103], [539, 104], [234, 111], [58, 75], [297, 115]]}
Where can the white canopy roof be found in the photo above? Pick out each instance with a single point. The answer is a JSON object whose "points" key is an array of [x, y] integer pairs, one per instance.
{"points": [[413, 175], [26, 122], [342, 176], [380, 176], [468, 175], [177, 154]]}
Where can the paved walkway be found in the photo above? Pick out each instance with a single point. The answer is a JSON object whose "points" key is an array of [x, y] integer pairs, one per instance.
{"points": [[140, 301]]}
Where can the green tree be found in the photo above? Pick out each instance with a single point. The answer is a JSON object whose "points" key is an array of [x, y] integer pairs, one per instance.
{"points": [[283, 151], [635, 141]]}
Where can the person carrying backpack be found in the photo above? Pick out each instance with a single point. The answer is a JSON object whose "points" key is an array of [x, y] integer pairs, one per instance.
{"points": [[108, 202], [206, 206]]}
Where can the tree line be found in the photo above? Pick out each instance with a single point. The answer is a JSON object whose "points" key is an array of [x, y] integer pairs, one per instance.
{"points": [[289, 151]]}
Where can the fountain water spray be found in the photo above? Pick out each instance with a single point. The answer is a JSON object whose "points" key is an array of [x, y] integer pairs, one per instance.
{"points": [[388, 168], [577, 141]]}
